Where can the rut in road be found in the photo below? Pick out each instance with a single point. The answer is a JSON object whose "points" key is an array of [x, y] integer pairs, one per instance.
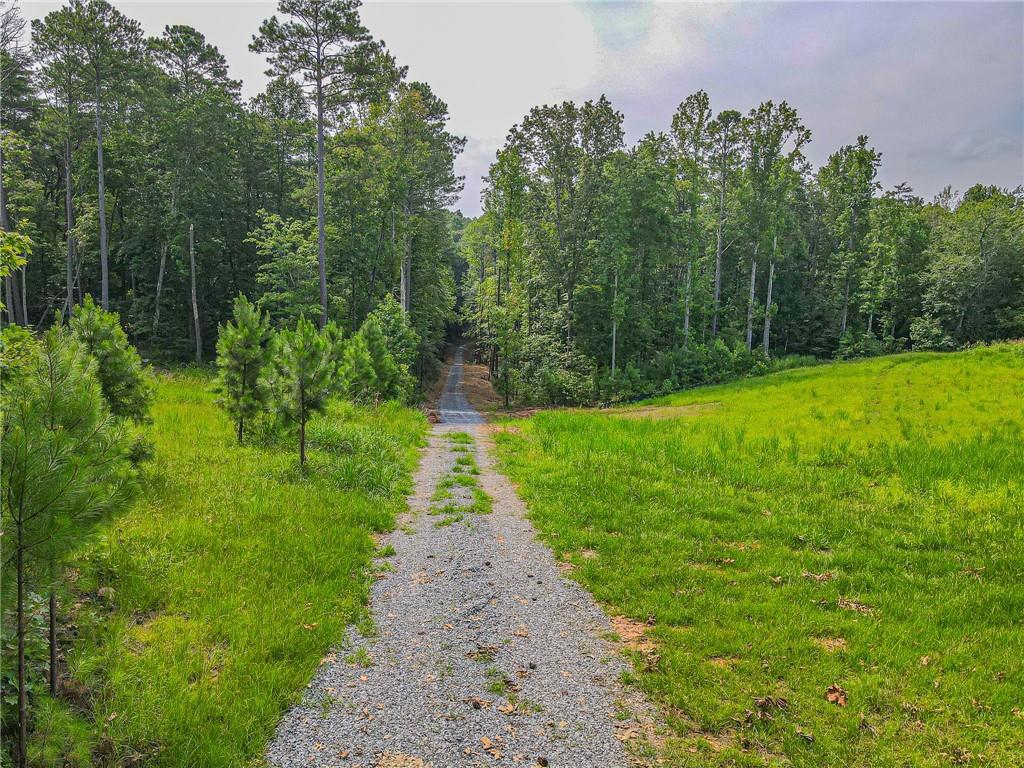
{"points": [[483, 654]]}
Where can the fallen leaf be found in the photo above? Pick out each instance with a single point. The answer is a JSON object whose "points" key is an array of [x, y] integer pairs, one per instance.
{"points": [[836, 695]]}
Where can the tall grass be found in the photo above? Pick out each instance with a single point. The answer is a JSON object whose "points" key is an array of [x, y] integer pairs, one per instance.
{"points": [[858, 525], [203, 612]]}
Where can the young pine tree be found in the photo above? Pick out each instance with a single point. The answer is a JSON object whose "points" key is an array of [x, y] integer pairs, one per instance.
{"points": [[358, 377], [243, 348], [302, 376], [402, 340], [118, 366], [66, 462]]}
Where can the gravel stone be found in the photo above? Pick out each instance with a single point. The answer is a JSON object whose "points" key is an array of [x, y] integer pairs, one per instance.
{"points": [[483, 654]]}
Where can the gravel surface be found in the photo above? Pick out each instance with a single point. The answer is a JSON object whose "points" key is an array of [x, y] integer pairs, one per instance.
{"points": [[453, 407], [483, 655]]}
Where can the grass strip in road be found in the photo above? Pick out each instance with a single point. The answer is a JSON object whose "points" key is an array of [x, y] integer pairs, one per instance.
{"points": [[203, 612], [829, 561]]}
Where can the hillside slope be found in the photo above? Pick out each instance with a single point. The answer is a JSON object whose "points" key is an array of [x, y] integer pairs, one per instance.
{"points": [[830, 560]]}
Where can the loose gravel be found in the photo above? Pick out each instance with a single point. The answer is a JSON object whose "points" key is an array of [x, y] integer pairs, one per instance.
{"points": [[483, 654]]}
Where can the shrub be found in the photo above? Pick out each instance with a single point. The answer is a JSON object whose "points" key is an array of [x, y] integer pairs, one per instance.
{"points": [[66, 463], [302, 374], [119, 368], [401, 339], [242, 353]]}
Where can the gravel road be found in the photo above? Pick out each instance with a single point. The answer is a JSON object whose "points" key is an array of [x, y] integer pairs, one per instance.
{"points": [[483, 655]]}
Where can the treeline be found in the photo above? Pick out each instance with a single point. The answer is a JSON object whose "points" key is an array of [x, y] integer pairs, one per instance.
{"points": [[713, 250], [142, 178]]}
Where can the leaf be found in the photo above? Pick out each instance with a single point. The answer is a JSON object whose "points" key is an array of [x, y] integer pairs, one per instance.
{"points": [[836, 695]]}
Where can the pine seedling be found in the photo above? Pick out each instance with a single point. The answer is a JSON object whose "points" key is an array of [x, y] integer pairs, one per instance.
{"points": [[243, 348]]}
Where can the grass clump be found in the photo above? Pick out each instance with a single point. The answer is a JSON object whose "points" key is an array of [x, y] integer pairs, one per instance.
{"points": [[828, 562], [230, 578]]}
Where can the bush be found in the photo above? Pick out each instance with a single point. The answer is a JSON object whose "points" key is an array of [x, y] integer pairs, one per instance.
{"points": [[302, 375], [125, 385], [369, 372], [66, 463], [242, 353]]}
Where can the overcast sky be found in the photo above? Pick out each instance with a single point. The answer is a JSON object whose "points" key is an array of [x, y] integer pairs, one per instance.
{"points": [[939, 87]]}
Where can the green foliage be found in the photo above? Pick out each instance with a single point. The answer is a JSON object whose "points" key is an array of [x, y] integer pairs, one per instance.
{"points": [[287, 273], [855, 525], [66, 463], [233, 576], [17, 348], [302, 376], [64, 453], [243, 349], [598, 272], [369, 372], [402, 341], [125, 384]]}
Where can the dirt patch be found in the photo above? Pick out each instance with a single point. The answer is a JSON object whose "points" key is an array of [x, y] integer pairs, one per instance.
{"points": [[722, 662], [633, 634], [831, 644], [659, 412], [476, 383]]}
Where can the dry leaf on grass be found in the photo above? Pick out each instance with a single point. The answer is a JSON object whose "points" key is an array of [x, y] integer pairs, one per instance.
{"points": [[836, 695], [847, 604]]}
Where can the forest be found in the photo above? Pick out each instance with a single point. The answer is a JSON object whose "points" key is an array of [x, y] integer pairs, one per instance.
{"points": [[714, 250], [143, 179], [597, 271]]}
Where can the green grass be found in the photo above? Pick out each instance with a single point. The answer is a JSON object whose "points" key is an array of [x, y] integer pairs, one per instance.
{"points": [[858, 525], [233, 575]]}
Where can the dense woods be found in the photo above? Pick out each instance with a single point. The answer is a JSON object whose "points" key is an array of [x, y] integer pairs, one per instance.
{"points": [[143, 179], [713, 250]]}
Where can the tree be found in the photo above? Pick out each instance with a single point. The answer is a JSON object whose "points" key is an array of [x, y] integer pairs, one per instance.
{"points": [[848, 184], [286, 276], [110, 44], [243, 348], [302, 374], [725, 136], [122, 378], [323, 42], [401, 340], [66, 463]]}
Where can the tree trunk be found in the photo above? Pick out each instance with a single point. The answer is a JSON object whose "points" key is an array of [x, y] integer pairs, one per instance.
{"points": [[321, 235], [750, 303], [846, 308], [69, 217], [717, 300], [195, 300], [686, 313], [615, 318], [14, 290], [163, 256], [406, 268], [768, 308], [102, 204], [21, 756], [53, 642], [12, 318]]}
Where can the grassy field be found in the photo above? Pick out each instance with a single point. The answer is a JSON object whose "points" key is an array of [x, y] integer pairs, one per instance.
{"points": [[829, 560], [231, 578]]}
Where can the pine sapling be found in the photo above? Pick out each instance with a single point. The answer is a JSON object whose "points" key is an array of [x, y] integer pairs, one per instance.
{"points": [[243, 348], [302, 376]]}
